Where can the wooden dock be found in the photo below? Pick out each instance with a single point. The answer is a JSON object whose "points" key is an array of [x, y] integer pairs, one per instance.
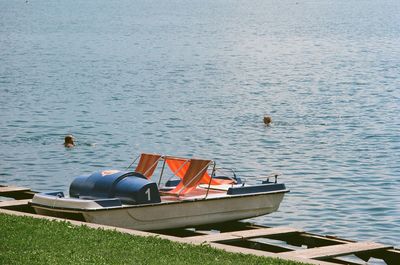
{"points": [[21, 197], [292, 243], [282, 242], [17, 193]]}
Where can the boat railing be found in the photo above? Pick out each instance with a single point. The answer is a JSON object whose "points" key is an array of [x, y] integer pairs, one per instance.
{"points": [[274, 175], [133, 162], [211, 177]]}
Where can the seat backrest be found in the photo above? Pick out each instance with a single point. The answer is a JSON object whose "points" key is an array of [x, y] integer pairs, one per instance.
{"points": [[193, 176], [147, 164], [179, 166]]}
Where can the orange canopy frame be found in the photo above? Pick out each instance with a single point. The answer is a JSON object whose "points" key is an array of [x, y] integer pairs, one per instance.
{"points": [[194, 174], [147, 164], [180, 166]]}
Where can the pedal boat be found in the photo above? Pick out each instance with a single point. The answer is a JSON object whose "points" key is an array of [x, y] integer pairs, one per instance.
{"points": [[197, 194]]}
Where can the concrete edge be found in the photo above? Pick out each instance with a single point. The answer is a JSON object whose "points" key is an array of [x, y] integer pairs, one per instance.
{"points": [[227, 248]]}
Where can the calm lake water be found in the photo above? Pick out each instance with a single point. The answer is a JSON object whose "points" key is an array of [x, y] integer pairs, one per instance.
{"points": [[194, 78]]}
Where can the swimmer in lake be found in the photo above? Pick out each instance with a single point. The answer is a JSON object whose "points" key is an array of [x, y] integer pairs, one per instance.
{"points": [[69, 141], [267, 120]]}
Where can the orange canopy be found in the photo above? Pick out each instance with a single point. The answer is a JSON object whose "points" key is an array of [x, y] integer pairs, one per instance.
{"points": [[179, 166], [194, 174], [147, 164]]}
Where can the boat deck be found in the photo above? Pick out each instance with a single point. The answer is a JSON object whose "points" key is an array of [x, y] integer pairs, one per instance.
{"points": [[197, 194]]}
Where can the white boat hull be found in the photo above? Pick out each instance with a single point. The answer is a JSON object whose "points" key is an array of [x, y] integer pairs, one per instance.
{"points": [[176, 214]]}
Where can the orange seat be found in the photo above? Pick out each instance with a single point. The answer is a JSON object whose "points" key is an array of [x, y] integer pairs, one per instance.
{"points": [[147, 164], [193, 175], [180, 166]]}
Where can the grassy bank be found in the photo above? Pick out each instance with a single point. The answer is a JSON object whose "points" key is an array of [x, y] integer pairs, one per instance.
{"points": [[25, 240]]}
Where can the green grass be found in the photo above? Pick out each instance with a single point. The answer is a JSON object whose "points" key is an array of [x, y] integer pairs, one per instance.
{"points": [[26, 240]]}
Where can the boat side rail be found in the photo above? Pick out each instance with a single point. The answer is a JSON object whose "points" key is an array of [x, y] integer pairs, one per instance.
{"points": [[265, 179]]}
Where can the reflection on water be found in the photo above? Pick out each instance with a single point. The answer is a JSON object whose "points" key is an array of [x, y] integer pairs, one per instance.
{"points": [[195, 79]]}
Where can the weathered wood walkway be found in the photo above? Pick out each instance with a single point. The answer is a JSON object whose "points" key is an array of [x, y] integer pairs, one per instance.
{"points": [[17, 193], [21, 198], [282, 242]]}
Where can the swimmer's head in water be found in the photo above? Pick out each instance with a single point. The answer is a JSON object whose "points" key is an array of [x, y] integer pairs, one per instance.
{"points": [[69, 141], [267, 120]]}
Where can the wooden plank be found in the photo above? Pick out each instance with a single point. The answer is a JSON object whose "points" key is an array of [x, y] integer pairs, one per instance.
{"points": [[18, 193], [241, 250], [309, 240], [12, 203], [265, 232], [246, 234], [336, 250], [8, 189]]}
